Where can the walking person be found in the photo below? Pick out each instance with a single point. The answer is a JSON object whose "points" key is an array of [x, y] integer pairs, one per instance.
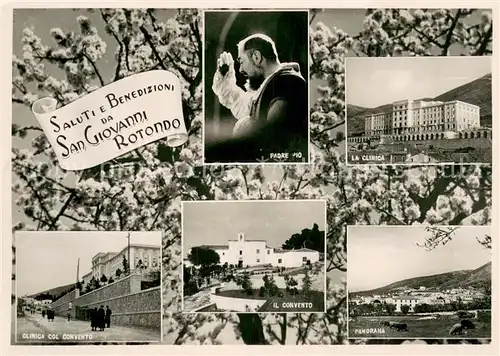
{"points": [[101, 314], [43, 313], [108, 316], [50, 314], [70, 306], [93, 319]]}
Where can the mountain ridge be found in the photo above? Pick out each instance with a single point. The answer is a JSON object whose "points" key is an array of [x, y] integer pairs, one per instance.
{"points": [[54, 291], [445, 280]]}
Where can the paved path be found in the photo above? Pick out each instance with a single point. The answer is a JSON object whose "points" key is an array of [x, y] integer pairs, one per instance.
{"points": [[35, 328]]}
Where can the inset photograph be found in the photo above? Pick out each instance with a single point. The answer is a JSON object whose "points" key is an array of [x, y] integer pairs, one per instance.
{"points": [[419, 110], [256, 96], [86, 286], [254, 256], [419, 282]]}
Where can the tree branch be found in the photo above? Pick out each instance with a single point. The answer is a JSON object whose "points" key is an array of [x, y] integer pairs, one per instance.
{"points": [[182, 72], [484, 44], [63, 209], [120, 51], [449, 36], [426, 203], [96, 71], [332, 127]]}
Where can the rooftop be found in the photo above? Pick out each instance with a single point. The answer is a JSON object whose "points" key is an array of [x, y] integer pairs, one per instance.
{"points": [[216, 247], [407, 297], [251, 240], [131, 245], [280, 250]]}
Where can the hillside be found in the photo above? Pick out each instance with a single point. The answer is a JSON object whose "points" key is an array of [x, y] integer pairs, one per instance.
{"points": [[448, 280], [477, 92], [54, 291]]}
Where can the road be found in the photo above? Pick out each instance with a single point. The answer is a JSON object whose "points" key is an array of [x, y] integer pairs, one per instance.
{"points": [[33, 328]]}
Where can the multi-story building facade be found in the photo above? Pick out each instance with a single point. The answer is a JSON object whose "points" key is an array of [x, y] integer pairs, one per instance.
{"points": [[242, 252], [409, 300], [413, 117], [378, 124], [142, 257]]}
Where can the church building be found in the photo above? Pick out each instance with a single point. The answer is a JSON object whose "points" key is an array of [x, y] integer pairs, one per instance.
{"points": [[242, 252]]}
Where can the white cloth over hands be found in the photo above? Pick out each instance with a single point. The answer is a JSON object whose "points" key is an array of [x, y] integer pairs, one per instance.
{"points": [[229, 94]]}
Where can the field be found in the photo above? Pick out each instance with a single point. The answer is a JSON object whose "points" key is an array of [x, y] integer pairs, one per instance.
{"points": [[437, 328]]}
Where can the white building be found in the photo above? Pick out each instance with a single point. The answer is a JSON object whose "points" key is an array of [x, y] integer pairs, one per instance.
{"points": [[143, 257], [408, 300], [28, 300], [242, 253], [421, 116]]}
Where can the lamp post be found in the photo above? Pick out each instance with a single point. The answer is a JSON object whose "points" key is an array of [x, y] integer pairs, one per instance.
{"points": [[128, 252], [78, 271]]}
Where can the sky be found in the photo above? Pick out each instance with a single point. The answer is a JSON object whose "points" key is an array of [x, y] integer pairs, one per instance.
{"points": [[371, 82], [214, 223], [379, 255], [46, 260]]}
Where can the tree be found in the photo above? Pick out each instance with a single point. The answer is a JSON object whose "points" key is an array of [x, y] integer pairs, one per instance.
{"points": [[306, 284], [201, 256], [126, 267], [246, 284], [405, 309], [225, 269], [103, 278], [143, 189], [423, 308], [270, 288], [79, 285], [93, 284], [118, 273], [243, 281], [190, 284], [291, 285], [308, 238], [88, 288], [110, 280], [390, 308]]}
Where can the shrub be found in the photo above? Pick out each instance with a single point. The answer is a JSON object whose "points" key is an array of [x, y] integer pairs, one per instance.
{"points": [[262, 292], [270, 286], [291, 285]]}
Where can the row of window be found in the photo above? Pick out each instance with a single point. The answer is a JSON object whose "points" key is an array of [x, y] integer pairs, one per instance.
{"points": [[448, 117], [280, 260], [420, 124], [402, 110], [256, 251]]}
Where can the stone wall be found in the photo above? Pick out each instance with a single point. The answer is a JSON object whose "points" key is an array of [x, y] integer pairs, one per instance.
{"points": [[127, 285], [129, 305], [138, 309], [61, 305], [236, 304]]}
